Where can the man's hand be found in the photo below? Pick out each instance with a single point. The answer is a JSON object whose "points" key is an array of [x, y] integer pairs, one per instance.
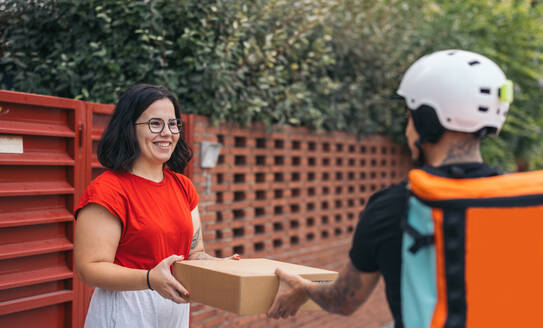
{"points": [[343, 296], [290, 295]]}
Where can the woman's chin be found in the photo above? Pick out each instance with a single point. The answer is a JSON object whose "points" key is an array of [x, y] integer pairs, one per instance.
{"points": [[162, 157]]}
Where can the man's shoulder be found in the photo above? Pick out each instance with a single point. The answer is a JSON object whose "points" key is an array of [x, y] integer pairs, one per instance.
{"points": [[390, 193], [385, 207], [380, 221]]}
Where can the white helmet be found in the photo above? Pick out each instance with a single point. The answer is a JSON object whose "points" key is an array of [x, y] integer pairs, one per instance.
{"points": [[466, 90]]}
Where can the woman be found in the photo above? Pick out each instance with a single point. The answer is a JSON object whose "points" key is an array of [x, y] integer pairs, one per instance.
{"points": [[139, 217]]}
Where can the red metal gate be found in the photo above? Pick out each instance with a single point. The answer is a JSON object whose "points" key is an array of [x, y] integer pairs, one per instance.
{"points": [[40, 179]]}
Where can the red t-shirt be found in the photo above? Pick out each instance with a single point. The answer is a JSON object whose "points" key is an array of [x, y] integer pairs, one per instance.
{"points": [[155, 216]]}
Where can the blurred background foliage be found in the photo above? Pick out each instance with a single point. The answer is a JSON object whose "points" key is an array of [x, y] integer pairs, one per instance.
{"points": [[324, 64]]}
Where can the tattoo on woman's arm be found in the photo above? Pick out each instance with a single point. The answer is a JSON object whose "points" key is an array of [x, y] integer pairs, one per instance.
{"points": [[195, 239]]}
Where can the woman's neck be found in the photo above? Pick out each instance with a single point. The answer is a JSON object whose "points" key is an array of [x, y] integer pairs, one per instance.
{"points": [[149, 172]]}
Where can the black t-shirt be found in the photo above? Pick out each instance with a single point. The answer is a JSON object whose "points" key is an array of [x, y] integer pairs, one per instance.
{"points": [[377, 241]]}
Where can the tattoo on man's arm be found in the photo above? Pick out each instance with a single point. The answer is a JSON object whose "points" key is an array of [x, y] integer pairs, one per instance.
{"points": [[195, 239], [342, 296]]}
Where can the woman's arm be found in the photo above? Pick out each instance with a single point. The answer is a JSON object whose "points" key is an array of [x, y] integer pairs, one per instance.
{"points": [[197, 251], [97, 235]]}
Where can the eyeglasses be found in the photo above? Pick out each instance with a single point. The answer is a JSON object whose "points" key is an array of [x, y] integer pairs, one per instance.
{"points": [[156, 125]]}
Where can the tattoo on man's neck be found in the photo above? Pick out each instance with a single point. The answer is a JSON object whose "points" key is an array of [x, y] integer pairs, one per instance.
{"points": [[464, 151]]}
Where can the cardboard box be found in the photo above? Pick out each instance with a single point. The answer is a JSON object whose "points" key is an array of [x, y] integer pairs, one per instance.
{"points": [[247, 286]]}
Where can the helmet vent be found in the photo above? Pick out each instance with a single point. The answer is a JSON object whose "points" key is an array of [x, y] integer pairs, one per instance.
{"points": [[451, 53], [483, 109], [474, 62], [485, 90]]}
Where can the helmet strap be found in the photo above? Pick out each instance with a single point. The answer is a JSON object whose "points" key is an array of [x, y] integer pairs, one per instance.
{"points": [[485, 132]]}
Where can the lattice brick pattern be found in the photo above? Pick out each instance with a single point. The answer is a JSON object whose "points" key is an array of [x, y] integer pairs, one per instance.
{"points": [[274, 191], [291, 195]]}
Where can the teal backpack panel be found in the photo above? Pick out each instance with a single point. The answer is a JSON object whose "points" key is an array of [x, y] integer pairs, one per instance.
{"points": [[418, 280]]}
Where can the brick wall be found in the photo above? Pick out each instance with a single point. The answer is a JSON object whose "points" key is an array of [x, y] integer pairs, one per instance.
{"points": [[291, 195]]}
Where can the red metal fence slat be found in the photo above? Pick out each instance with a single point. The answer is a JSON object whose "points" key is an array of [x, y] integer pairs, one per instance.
{"points": [[35, 247], [34, 276], [27, 303], [32, 217], [40, 181]]}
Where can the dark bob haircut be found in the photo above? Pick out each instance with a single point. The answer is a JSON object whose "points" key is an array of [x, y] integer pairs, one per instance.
{"points": [[118, 148]]}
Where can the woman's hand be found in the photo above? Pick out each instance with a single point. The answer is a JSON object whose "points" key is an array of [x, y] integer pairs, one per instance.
{"points": [[233, 257], [201, 255], [163, 282]]}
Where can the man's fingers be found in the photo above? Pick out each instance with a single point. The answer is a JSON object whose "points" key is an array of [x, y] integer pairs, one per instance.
{"points": [[273, 312], [283, 312], [296, 309], [285, 278], [286, 301], [273, 309], [282, 274]]}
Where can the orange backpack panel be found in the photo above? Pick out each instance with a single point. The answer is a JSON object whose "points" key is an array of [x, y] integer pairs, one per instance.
{"points": [[481, 240]]}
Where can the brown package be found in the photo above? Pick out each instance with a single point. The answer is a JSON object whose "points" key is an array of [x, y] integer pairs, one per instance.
{"points": [[247, 286]]}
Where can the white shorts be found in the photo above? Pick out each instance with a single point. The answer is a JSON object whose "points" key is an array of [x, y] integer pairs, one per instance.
{"points": [[130, 309]]}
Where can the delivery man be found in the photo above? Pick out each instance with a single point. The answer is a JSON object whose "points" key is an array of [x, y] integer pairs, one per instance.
{"points": [[453, 98]]}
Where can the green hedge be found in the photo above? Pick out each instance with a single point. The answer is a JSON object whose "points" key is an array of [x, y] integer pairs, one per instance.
{"points": [[324, 64]]}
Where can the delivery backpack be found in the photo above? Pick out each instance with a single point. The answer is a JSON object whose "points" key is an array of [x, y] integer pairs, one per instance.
{"points": [[472, 251]]}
